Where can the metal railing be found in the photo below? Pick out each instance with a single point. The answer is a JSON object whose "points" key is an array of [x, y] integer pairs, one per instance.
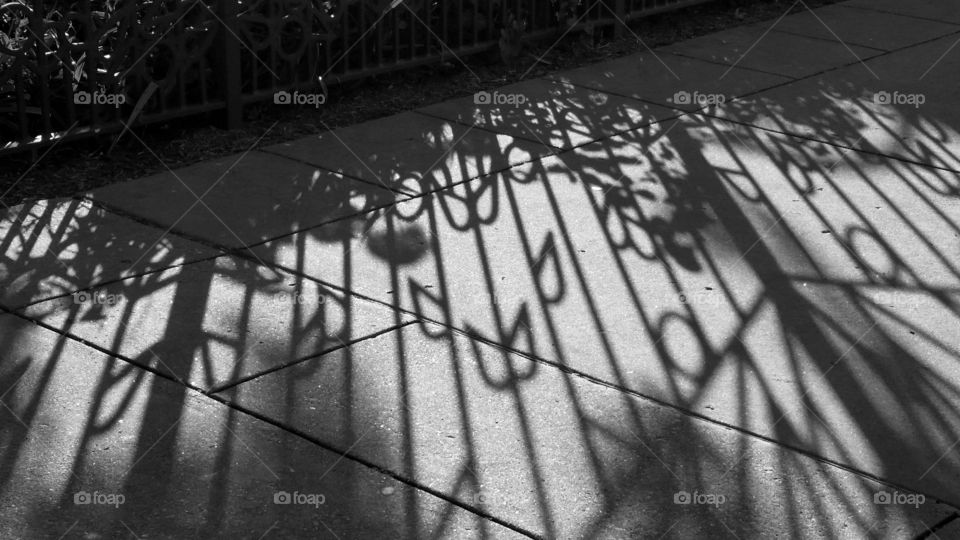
{"points": [[76, 69]]}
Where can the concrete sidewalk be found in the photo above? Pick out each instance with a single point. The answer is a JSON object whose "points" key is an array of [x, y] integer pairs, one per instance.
{"points": [[710, 290]]}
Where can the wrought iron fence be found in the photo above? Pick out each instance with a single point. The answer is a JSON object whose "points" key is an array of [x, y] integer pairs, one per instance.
{"points": [[79, 68]]}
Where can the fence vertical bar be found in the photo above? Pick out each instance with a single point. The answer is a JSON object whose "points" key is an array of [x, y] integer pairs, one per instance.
{"points": [[619, 27], [229, 52], [38, 30]]}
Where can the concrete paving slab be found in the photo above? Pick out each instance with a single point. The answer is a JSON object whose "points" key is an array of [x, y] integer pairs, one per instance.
{"points": [[411, 152], [757, 47], [216, 322], [489, 256], [563, 457], [905, 108], [60, 246], [245, 198], [96, 448], [617, 260], [937, 10], [858, 259], [669, 80], [867, 28], [870, 219], [559, 114], [950, 530], [786, 308]]}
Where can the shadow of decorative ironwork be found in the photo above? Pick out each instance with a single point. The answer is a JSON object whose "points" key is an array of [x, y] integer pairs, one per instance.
{"points": [[560, 348]]}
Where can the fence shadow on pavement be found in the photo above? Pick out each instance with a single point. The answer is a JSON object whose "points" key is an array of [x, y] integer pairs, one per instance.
{"points": [[567, 347]]}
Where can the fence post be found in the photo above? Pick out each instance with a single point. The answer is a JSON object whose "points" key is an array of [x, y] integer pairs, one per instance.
{"points": [[229, 61], [619, 29], [38, 30]]}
